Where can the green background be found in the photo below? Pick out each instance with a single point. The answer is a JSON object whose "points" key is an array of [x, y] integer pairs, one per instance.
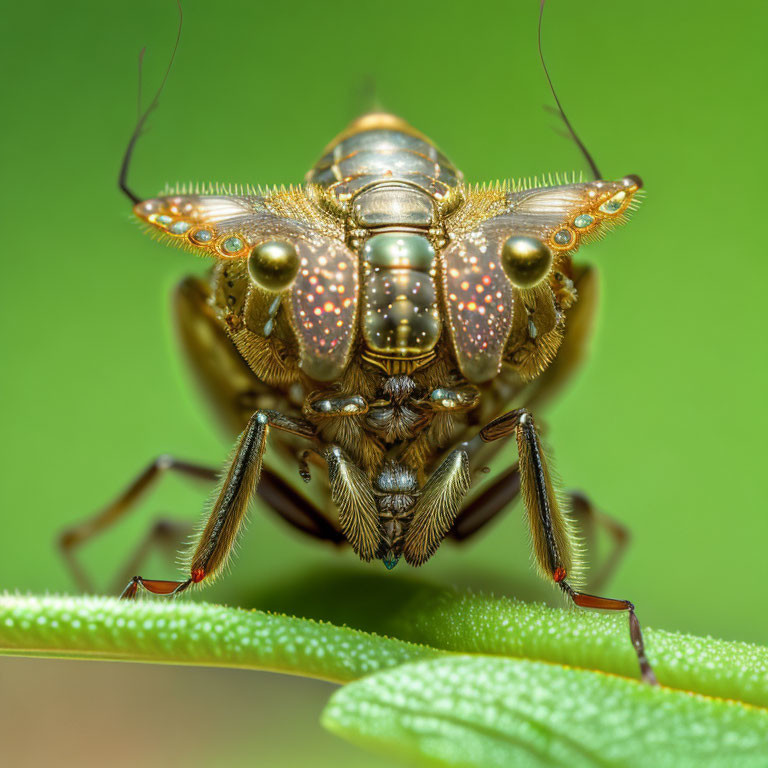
{"points": [[664, 428]]}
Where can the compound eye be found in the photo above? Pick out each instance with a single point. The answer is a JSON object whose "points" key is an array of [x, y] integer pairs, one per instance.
{"points": [[273, 265], [526, 260]]}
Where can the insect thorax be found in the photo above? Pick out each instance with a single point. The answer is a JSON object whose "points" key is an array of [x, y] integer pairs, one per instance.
{"points": [[400, 307], [388, 303], [393, 189]]}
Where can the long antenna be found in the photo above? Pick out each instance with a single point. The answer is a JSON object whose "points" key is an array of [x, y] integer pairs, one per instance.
{"points": [[122, 180], [584, 151]]}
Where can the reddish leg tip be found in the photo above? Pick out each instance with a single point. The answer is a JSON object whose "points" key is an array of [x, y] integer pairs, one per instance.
{"points": [[154, 586], [198, 575], [610, 604]]}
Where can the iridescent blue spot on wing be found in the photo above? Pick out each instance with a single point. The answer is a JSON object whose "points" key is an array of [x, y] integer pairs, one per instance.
{"points": [[198, 221]]}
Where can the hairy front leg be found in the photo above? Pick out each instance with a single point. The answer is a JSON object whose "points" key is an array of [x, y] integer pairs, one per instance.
{"points": [[551, 529], [226, 518]]}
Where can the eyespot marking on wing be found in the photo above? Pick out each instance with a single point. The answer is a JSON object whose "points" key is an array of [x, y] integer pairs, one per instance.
{"points": [[196, 222], [572, 214], [321, 301], [480, 297]]}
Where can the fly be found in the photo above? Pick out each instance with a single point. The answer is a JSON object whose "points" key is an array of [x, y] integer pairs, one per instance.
{"points": [[390, 327]]}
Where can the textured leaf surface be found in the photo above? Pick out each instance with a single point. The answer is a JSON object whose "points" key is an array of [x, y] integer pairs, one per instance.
{"points": [[504, 705], [506, 627], [193, 633], [462, 622], [488, 711]]}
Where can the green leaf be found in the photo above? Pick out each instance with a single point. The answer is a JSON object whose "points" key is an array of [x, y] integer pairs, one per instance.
{"points": [[598, 641], [520, 693], [488, 711], [429, 620], [193, 633], [475, 623]]}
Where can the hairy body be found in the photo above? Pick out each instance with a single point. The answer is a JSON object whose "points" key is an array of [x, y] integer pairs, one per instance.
{"points": [[390, 327]]}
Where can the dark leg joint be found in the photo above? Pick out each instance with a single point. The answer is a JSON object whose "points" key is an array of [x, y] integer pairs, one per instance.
{"points": [[504, 425]]}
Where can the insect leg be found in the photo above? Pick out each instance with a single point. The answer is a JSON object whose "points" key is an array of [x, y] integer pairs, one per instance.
{"points": [[352, 493], [73, 537], [437, 507], [505, 490], [550, 528], [482, 509], [589, 518], [295, 509], [218, 537], [167, 535]]}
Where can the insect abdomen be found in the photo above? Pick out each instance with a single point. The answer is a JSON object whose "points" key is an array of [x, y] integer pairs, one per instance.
{"points": [[382, 147], [393, 187], [400, 312]]}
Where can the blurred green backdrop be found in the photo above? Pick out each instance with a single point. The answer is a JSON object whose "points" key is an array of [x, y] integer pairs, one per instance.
{"points": [[665, 428]]}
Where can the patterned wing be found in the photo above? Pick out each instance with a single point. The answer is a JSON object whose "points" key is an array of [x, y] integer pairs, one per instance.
{"points": [[568, 215], [324, 303], [480, 300], [482, 292], [199, 222], [322, 299]]}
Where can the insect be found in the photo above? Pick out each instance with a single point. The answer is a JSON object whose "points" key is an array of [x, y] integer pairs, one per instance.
{"points": [[390, 327]]}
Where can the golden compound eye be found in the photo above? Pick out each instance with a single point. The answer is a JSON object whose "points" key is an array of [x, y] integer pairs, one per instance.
{"points": [[526, 260], [273, 265]]}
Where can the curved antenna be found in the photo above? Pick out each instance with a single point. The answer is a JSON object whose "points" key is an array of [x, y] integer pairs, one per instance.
{"points": [[122, 179], [584, 151]]}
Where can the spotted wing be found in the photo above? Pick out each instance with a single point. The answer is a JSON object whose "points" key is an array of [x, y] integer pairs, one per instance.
{"points": [[568, 215], [480, 300], [199, 222], [322, 301]]}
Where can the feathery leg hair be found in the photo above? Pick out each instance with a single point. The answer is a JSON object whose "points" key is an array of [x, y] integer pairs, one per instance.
{"points": [[550, 527], [352, 494], [437, 507], [217, 538], [275, 492]]}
